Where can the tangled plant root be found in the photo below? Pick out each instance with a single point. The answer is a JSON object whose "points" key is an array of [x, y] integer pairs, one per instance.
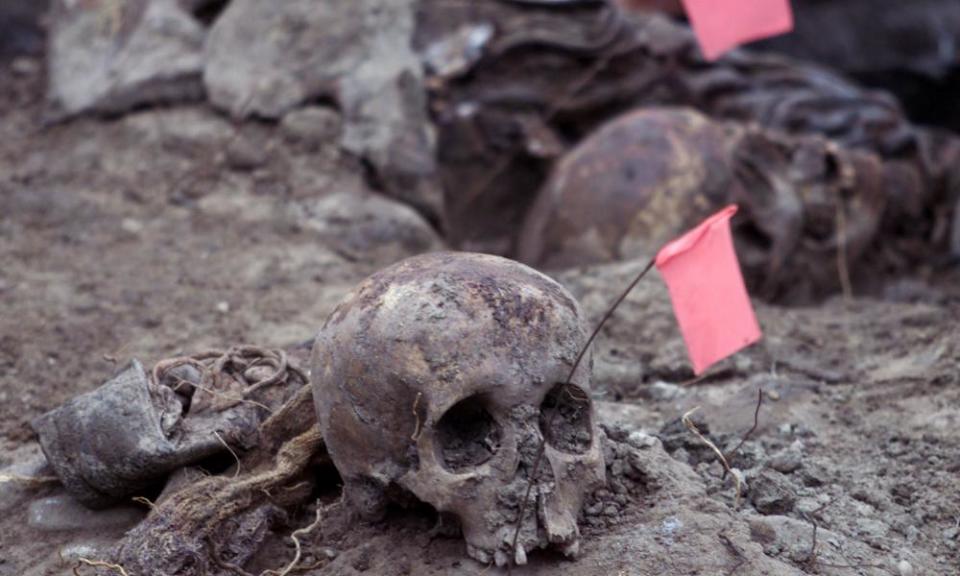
{"points": [[296, 542], [236, 363]]}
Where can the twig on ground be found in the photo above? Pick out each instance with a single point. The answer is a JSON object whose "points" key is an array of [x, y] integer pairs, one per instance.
{"points": [[756, 421], [32, 481], [688, 423], [416, 430], [735, 552], [812, 561], [145, 501], [296, 543], [98, 564], [811, 518]]}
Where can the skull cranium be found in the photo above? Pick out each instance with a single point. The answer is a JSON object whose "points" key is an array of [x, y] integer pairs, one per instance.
{"points": [[442, 375]]}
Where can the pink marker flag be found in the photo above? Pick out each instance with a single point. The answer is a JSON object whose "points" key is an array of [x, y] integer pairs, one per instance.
{"points": [[709, 297], [724, 24]]}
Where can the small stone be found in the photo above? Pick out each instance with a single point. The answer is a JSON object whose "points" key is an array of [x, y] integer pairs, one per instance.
{"points": [[24, 66], [904, 568], [641, 440], [912, 534], [786, 461], [664, 391], [223, 307], [62, 512], [773, 395], [611, 510], [312, 126], [244, 155], [131, 226]]}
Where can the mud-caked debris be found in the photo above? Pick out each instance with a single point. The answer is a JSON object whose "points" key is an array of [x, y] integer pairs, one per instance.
{"points": [[126, 436], [440, 375]]}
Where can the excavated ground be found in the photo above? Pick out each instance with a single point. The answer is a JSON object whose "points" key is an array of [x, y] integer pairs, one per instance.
{"points": [[170, 230]]}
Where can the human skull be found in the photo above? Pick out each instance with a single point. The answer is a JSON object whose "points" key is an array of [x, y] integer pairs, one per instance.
{"points": [[649, 175], [443, 375]]}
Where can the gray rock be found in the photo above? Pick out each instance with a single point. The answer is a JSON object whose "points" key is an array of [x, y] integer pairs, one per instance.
{"points": [[664, 391], [640, 439], [245, 154], [786, 461], [312, 126], [110, 57], [62, 512], [771, 493], [358, 52], [366, 227]]}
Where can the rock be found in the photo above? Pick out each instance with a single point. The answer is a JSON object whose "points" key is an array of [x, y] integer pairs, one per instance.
{"points": [[366, 227], [904, 568], [62, 512], [28, 462], [358, 52], [85, 549], [786, 461], [244, 155], [664, 391], [312, 126], [771, 493], [641, 440], [456, 53], [111, 57]]}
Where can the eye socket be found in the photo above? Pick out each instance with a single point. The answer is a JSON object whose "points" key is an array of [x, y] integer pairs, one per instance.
{"points": [[467, 435], [565, 419]]}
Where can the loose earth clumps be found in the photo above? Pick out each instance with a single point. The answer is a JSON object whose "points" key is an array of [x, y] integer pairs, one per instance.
{"points": [[443, 376]]}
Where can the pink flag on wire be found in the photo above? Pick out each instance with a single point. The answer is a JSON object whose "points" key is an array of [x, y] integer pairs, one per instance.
{"points": [[724, 24], [706, 287]]}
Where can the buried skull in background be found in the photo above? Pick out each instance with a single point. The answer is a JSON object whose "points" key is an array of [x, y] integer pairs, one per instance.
{"points": [[442, 375], [649, 175]]}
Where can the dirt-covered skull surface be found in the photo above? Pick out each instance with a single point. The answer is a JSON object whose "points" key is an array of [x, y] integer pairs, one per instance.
{"points": [[440, 376]]}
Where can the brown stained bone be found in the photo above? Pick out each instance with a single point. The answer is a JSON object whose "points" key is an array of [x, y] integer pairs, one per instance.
{"points": [[431, 376], [647, 176], [644, 59], [629, 188]]}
